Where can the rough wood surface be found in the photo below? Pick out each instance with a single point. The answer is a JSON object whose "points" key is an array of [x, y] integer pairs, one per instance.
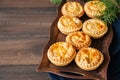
{"points": [[21, 73], [21, 50], [24, 3], [24, 31], [26, 21], [23, 34]]}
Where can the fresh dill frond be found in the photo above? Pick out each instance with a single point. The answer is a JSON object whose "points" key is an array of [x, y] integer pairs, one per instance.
{"points": [[56, 2], [111, 12]]}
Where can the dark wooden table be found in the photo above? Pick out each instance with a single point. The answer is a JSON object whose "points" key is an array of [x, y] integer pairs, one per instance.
{"points": [[24, 30]]}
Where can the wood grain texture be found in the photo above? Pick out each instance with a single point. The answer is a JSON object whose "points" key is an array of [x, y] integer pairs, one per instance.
{"points": [[24, 3], [21, 50], [23, 34], [26, 21], [24, 31], [21, 73]]}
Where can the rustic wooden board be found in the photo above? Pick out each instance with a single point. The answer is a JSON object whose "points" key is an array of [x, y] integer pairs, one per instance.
{"points": [[26, 21], [21, 50], [21, 73], [23, 33], [24, 26], [24, 3]]}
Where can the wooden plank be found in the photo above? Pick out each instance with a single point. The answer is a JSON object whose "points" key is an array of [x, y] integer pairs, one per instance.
{"points": [[21, 73], [24, 3], [24, 29], [21, 50], [26, 21]]}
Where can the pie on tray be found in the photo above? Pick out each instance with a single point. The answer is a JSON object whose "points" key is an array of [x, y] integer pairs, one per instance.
{"points": [[78, 39], [95, 28], [68, 24], [61, 53], [89, 58], [72, 9], [94, 8]]}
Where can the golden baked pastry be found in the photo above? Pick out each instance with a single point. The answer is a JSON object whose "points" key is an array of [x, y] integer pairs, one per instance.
{"points": [[78, 39], [68, 24], [72, 9], [89, 58], [61, 53], [94, 8], [95, 28]]}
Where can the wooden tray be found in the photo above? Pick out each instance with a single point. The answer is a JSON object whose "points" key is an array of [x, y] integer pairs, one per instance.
{"points": [[72, 70]]}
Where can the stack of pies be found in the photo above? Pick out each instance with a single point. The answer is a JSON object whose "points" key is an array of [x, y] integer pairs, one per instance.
{"points": [[79, 36]]}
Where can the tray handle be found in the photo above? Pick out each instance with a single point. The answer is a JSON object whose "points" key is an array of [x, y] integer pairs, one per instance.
{"points": [[80, 76]]}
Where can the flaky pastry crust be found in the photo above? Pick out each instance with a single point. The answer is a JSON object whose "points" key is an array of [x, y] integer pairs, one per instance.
{"points": [[95, 28], [61, 53], [78, 39], [89, 58], [94, 8], [72, 9], [68, 24]]}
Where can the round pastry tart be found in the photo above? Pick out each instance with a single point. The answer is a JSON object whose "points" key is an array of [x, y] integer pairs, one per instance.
{"points": [[89, 58], [72, 9], [95, 28], [61, 53], [68, 24], [94, 8], [78, 39]]}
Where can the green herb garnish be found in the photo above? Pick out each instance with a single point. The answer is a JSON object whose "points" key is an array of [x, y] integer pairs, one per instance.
{"points": [[56, 2], [111, 12]]}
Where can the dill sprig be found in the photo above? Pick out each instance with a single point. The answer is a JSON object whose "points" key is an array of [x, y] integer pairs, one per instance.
{"points": [[56, 2], [111, 12]]}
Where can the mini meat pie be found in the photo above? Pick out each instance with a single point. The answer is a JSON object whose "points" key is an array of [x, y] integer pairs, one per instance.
{"points": [[72, 9], [67, 24], [95, 28], [89, 58], [94, 8], [61, 53], [78, 39]]}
